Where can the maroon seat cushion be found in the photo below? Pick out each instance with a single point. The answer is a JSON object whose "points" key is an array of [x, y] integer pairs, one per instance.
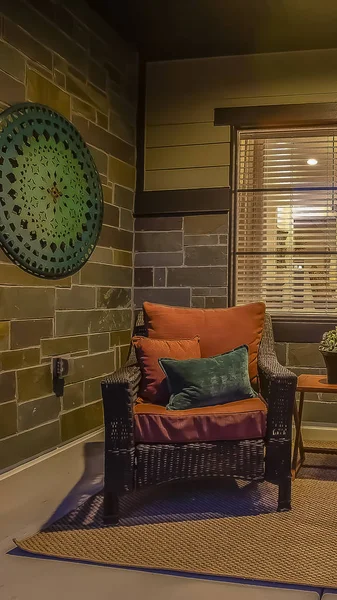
{"points": [[242, 420]]}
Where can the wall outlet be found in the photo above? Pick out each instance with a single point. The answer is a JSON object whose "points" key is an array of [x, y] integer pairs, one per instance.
{"points": [[60, 369]]}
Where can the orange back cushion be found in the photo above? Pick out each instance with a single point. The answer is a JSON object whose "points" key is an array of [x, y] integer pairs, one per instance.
{"points": [[153, 385], [219, 329]]}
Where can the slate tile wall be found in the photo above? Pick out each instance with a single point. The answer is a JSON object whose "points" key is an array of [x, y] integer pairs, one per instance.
{"points": [[61, 54], [181, 261]]}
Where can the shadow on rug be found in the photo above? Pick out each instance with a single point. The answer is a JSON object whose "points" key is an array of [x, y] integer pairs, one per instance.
{"points": [[176, 502]]}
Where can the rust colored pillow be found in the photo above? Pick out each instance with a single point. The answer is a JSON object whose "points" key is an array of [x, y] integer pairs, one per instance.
{"points": [[220, 329], [153, 385]]}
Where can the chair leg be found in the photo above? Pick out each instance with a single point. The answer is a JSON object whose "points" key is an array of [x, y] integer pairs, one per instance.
{"points": [[284, 495], [110, 508]]}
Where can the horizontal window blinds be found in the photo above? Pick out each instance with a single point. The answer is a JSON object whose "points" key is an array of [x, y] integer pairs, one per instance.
{"points": [[285, 243]]}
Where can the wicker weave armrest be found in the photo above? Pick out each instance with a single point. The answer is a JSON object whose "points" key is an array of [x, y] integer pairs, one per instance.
{"points": [[278, 387], [128, 377], [119, 394], [270, 368]]}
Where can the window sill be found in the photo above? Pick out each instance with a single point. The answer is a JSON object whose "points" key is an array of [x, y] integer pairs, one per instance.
{"points": [[302, 328]]}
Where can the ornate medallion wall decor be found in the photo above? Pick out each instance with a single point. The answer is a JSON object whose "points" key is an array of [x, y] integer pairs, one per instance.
{"points": [[51, 205]]}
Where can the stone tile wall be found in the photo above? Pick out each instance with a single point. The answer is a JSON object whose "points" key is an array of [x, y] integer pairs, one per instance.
{"points": [[61, 54], [181, 261]]}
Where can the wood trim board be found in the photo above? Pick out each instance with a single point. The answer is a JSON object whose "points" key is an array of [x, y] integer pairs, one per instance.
{"points": [[301, 331], [278, 115], [183, 202]]}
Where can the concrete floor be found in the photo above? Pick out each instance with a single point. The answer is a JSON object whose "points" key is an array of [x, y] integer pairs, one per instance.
{"points": [[54, 485]]}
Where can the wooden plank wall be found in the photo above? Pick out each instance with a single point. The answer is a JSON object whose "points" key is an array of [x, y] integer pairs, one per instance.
{"points": [[183, 149]]}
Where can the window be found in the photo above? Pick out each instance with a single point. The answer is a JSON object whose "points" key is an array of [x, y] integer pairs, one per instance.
{"points": [[285, 245]]}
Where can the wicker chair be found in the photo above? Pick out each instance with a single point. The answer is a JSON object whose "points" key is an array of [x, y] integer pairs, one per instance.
{"points": [[130, 466]]}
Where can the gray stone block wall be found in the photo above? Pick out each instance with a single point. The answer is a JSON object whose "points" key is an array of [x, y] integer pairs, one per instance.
{"points": [[182, 261], [63, 55]]}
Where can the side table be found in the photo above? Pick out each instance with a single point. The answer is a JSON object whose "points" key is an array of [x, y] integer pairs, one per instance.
{"points": [[308, 383]]}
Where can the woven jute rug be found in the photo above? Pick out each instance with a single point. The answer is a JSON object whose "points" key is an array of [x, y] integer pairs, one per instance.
{"points": [[213, 528]]}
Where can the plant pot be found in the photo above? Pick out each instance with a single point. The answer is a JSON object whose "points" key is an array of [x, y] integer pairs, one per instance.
{"points": [[330, 359]]}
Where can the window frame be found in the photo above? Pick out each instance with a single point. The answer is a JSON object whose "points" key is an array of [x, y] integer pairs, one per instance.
{"points": [[290, 328], [258, 164]]}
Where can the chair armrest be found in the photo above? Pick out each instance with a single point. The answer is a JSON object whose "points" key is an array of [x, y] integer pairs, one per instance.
{"points": [[278, 387], [270, 369], [127, 377], [119, 393]]}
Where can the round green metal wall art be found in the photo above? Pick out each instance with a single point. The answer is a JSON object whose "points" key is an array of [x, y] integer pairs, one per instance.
{"points": [[51, 204]]}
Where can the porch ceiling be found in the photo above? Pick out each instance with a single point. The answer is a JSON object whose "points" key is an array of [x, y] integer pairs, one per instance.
{"points": [[171, 29]]}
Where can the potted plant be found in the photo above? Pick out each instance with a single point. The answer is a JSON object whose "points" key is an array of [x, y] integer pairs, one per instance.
{"points": [[328, 348]]}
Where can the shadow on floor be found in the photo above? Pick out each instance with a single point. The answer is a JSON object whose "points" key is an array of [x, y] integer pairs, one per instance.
{"points": [[177, 501], [90, 483]]}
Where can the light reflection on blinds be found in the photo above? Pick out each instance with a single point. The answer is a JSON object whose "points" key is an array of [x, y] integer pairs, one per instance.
{"points": [[286, 245]]}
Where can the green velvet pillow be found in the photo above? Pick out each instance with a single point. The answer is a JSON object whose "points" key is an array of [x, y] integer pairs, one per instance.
{"points": [[200, 382]]}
